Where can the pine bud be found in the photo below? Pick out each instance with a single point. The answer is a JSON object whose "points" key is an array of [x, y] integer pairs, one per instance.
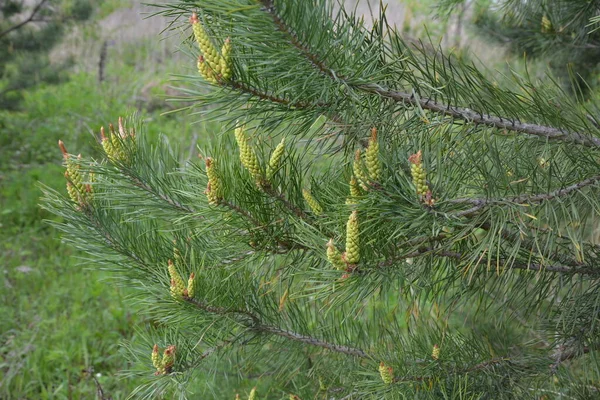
{"points": [[372, 157], [190, 285], [322, 385], [352, 255], [209, 52], [546, 24], [358, 170], [116, 144], [435, 354], [275, 159], [205, 70], [156, 358], [420, 179], [312, 202], [79, 191], [226, 71], [252, 395], [168, 359], [354, 192], [247, 155], [387, 373], [334, 256], [177, 284], [214, 188]]}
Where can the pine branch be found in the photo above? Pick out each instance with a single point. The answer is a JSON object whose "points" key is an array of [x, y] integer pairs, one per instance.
{"points": [[477, 367], [255, 324], [460, 113], [284, 244], [480, 203], [476, 117], [242, 87], [137, 182]]}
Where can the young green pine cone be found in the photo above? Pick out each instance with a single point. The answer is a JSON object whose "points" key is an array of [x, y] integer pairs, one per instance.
{"points": [[387, 373], [226, 71], [156, 359], [168, 359], [312, 202], [275, 159], [372, 157], [214, 188], [352, 254], [190, 285], [354, 192], [435, 353], [252, 395], [334, 256], [209, 52], [359, 173], [177, 284], [247, 155], [418, 173]]}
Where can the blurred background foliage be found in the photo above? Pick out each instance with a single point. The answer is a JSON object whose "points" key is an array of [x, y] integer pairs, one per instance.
{"points": [[79, 64]]}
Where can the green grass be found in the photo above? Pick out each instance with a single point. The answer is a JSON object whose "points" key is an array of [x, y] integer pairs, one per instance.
{"points": [[59, 317]]}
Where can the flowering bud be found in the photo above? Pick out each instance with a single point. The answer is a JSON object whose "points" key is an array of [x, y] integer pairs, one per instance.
{"points": [[209, 52], [115, 144], [372, 157], [168, 359], [205, 70], [213, 67], [275, 159], [352, 254], [354, 192], [387, 373], [358, 170], [435, 354], [214, 188], [420, 179], [226, 71], [80, 192], [252, 395], [312, 202], [156, 358], [546, 24], [334, 256], [177, 284], [190, 285], [247, 155]]}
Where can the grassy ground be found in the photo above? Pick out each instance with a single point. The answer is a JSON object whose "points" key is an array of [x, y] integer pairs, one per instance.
{"points": [[60, 321]]}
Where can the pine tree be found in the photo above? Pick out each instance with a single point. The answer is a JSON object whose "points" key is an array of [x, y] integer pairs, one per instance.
{"points": [[560, 32], [421, 232]]}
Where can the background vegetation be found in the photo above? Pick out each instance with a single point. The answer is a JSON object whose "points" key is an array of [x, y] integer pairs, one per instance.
{"points": [[61, 325]]}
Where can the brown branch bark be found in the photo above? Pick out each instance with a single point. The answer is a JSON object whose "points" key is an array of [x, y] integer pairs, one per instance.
{"points": [[480, 203]]}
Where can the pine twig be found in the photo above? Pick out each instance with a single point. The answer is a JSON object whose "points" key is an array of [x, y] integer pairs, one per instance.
{"points": [[460, 113], [480, 203], [255, 324]]}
